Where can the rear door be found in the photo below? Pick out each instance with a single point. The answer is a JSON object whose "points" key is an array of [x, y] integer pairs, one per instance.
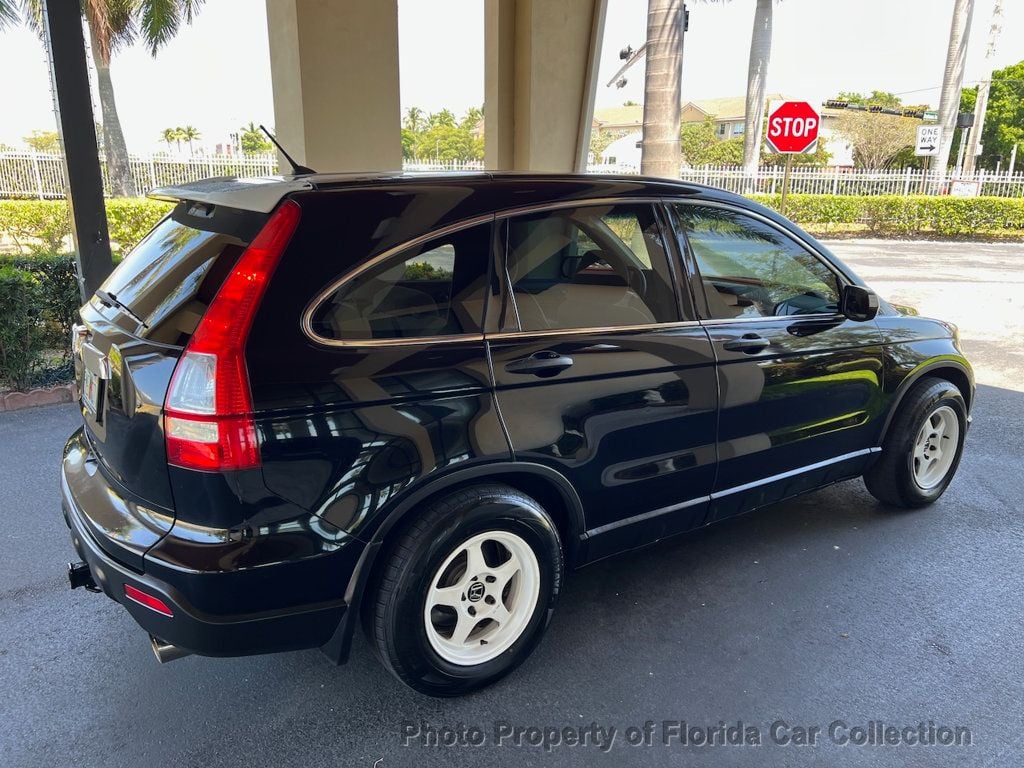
{"points": [[799, 382], [601, 371], [134, 329]]}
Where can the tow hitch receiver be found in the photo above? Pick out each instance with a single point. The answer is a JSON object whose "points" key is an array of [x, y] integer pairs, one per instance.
{"points": [[79, 575]]}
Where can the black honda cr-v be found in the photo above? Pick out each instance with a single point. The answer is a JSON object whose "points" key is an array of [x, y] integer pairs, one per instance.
{"points": [[409, 402]]}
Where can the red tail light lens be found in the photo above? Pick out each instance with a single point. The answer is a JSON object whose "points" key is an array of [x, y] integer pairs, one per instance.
{"points": [[208, 409], [136, 595]]}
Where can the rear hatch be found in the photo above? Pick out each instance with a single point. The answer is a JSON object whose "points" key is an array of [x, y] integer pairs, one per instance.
{"points": [[134, 329]]}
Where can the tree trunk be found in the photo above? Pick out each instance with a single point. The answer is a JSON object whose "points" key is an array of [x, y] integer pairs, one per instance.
{"points": [[661, 153], [952, 80], [118, 170], [981, 103], [757, 82]]}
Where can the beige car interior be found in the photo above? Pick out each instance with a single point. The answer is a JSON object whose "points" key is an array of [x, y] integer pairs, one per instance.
{"points": [[575, 299]]}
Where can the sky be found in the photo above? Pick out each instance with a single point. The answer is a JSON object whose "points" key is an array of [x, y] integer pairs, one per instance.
{"points": [[215, 75]]}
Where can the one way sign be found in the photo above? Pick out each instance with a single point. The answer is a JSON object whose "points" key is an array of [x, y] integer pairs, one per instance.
{"points": [[928, 138]]}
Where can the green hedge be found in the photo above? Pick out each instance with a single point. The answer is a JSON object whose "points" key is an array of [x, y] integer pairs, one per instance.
{"points": [[44, 226], [906, 216], [39, 302]]}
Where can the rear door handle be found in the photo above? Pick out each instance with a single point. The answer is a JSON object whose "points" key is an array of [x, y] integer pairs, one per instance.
{"points": [[545, 363], [748, 343]]}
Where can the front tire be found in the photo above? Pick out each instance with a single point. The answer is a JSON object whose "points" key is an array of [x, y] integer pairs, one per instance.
{"points": [[922, 448], [467, 590]]}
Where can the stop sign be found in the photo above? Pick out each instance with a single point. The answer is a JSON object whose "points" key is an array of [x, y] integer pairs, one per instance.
{"points": [[793, 127]]}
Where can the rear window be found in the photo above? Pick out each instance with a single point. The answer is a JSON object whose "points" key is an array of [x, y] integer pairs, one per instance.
{"points": [[162, 288]]}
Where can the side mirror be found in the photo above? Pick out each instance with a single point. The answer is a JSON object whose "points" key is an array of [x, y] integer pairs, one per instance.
{"points": [[859, 303]]}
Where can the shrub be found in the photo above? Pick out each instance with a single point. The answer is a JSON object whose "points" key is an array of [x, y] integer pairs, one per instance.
{"points": [[21, 335], [36, 225], [44, 226], [129, 219], [906, 215]]}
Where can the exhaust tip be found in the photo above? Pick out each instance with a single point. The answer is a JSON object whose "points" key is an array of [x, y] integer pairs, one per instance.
{"points": [[166, 652]]}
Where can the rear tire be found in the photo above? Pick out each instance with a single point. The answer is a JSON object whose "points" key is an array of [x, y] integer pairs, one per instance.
{"points": [[467, 590], [922, 449]]}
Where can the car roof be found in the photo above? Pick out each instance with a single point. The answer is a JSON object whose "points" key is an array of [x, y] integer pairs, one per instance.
{"points": [[263, 193]]}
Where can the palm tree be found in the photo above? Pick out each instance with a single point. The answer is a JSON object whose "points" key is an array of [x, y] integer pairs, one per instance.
{"points": [[414, 119], [952, 80], [981, 103], [190, 133], [114, 24], [169, 135], [661, 154], [757, 79]]}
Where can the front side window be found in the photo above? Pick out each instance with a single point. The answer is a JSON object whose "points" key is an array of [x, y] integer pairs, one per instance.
{"points": [[751, 269], [434, 289], [590, 267]]}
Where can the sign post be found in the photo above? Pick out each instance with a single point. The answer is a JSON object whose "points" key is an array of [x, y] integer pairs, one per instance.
{"points": [[792, 130], [927, 145]]}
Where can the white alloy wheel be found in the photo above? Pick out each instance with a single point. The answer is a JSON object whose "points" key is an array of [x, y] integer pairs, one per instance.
{"points": [[935, 447], [482, 598]]}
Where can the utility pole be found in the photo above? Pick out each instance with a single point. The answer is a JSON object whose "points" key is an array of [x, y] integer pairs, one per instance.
{"points": [[952, 81], [981, 104], [660, 151]]}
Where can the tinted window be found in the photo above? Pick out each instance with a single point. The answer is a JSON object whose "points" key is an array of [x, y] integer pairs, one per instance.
{"points": [[600, 266], [169, 279], [751, 269], [434, 289]]}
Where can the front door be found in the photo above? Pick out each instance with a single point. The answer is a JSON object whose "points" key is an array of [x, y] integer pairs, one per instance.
{"points": [[603, 373], [799, 383]]}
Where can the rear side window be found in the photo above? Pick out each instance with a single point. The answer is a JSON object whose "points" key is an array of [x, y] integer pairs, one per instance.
{"points": [[591, 267], [436, 288], [169, 279]]}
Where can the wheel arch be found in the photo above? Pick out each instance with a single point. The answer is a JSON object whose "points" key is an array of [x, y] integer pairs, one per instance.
{"points": [[549, 487], [956, 372]]}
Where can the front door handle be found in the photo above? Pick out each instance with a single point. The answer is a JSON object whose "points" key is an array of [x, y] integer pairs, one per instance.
{"points": [[748, 343], [545, 363]]}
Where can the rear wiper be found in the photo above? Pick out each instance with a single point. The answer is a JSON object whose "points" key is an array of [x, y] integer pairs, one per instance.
{"points": [[110, 300]]}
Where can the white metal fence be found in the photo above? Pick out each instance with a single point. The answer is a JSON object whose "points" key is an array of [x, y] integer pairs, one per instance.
{"points": [[32, 175]]}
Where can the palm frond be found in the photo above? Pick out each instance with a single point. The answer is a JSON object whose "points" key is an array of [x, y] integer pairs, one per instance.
{"points": [[160, 20], [8, 13]]}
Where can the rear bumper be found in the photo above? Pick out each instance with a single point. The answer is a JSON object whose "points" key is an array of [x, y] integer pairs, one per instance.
{"points": [[216, 634]]}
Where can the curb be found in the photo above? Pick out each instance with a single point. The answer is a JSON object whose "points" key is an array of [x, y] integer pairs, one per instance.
{"points": [[16, 401]]}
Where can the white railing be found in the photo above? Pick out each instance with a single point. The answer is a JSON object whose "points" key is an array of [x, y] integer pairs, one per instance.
{"points": [[426, 164], [839, 181], [33, 175], [42, 176]]}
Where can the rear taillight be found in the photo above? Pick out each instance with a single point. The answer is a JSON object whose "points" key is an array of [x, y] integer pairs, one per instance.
{"points": [[208, 418]]}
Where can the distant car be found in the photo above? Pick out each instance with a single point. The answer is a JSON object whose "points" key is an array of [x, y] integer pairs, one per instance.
{"points": [[413, 402]]}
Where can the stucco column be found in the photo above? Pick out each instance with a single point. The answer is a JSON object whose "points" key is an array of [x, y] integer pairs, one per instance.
{"points": [[334, 71], [541, 61]]}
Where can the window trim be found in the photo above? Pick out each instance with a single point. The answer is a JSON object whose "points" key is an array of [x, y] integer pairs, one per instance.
{"points": [[313, 305], [306, 320], [706, 319]]}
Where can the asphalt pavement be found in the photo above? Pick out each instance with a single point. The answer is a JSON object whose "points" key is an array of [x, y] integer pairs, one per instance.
{"points": [[826, 612]]}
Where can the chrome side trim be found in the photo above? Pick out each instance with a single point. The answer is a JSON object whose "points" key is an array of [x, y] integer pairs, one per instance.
{"points": [[647, 515], [499, 336], [729, 491], [794, 472], [787, 319]]}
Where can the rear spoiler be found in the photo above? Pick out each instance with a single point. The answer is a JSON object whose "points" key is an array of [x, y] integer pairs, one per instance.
{"points": [[261, 194]]}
